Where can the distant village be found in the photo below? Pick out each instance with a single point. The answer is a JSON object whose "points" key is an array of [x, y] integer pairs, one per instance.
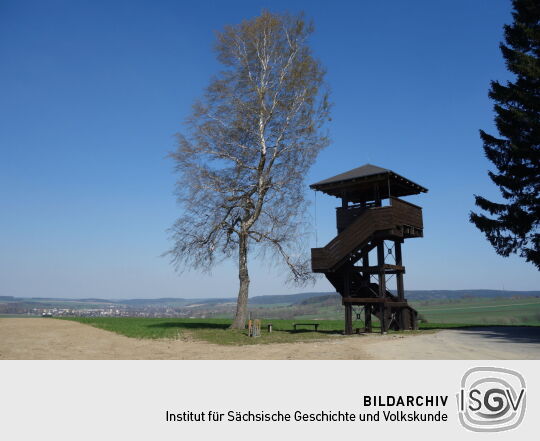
{"points": [[15, 308], [277, 307]]}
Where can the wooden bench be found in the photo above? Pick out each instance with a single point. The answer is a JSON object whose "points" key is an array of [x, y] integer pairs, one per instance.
{"points": [[315, 325]]}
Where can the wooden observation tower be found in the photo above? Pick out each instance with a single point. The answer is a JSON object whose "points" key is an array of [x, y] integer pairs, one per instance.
{"points": [[373, 219]]}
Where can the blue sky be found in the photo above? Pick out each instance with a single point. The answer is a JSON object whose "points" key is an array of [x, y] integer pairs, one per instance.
{"points": [[92, 92]]}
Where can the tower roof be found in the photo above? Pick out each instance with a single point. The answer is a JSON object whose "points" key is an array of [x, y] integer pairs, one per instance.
{"points": [[361, 184]]}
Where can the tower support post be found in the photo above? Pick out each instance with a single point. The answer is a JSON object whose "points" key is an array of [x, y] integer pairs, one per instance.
{"points": [[367, 312], [348, 306], [382, 284], [399, 275], [402, 315], [348, 319]]}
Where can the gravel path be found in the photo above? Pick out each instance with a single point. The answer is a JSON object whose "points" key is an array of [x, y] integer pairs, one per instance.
{"points": [[486, 343], [37, 338]]}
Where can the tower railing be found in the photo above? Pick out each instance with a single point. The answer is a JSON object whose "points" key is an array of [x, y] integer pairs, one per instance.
{"points": [[404, 217], [406, 213]]}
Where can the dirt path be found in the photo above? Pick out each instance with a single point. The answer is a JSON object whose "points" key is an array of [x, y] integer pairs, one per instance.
{"points": [[58, 339], [486, 343]]}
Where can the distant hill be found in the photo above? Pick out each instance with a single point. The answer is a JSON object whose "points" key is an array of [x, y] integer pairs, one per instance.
{"points": [[317, 297], [320, 299], [256, 300], [452, 294], [305, 298], [284, 298], [161, 301]]}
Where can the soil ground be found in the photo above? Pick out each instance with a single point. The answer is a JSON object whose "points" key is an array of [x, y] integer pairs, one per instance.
{"points": [[60, 339]]}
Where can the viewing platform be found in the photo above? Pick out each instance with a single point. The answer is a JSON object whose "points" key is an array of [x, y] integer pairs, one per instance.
{"points": [[371, 217]]}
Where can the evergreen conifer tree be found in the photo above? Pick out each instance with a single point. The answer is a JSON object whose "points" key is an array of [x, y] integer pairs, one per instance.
{"points": [[514, 225]]}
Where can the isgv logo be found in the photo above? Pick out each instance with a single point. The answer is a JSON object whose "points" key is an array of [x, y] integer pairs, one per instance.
{"points": [[491, 399]]}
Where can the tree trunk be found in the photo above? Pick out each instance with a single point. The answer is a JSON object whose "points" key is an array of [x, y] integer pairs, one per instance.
{"points": [[241, 305]]}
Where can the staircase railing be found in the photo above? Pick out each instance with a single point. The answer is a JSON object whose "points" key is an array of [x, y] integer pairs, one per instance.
{"points": [[362, 228]]}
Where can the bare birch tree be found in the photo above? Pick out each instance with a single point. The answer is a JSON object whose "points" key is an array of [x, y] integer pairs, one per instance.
{"points": [[247, 147]]}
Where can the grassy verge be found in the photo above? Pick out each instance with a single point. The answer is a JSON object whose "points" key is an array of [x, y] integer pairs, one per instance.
{"points": [[483, 311], [216, 330], [213, 330]]}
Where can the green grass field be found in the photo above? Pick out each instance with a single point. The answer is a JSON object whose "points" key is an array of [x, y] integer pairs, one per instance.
{"points": [[494, 311], [437, 315], [216, 330], [212, 330], [483, 311]]}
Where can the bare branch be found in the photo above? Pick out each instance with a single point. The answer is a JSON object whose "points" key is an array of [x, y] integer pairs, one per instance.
{"points": [[247, 146]]}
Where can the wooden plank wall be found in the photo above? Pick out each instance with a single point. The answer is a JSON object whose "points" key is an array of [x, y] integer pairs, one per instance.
{"points": [[360, 230]]}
